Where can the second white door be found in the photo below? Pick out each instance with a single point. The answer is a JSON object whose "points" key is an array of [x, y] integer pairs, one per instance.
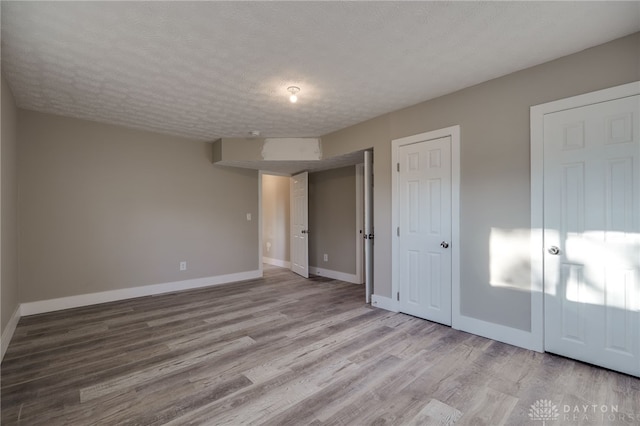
{"points": [[424, 189], [591, 233]]}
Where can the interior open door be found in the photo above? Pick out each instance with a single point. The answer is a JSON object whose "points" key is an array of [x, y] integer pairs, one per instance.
{"points": [[300, 224]]}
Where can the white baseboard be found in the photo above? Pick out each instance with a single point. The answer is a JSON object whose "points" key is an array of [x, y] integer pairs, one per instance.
{"points": [[42, 306], [276, 262], [7, 334], [385, 303], [336, 275], [501, 333]]}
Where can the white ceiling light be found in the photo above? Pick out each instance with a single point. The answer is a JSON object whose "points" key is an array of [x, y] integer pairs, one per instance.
{"points": [[294, 93]]}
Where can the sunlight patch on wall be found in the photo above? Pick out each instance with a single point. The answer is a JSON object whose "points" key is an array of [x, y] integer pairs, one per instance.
{"points": [[598, 265], [510, 258]]}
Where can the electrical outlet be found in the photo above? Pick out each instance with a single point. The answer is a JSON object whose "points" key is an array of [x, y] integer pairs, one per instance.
{"points": [[326, 257], [248, 216], [183, 265]]}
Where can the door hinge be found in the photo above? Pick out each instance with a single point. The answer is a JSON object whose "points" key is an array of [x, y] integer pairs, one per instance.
{"points": [[398, 167], [398, 296], [398, 231]]}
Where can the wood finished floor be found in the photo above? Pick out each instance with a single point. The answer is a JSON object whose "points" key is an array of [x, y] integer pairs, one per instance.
{"points": [[282, 351]]}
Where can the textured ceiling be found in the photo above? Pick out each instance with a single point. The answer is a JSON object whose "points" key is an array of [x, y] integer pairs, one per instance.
{"points": [[220, 69]]}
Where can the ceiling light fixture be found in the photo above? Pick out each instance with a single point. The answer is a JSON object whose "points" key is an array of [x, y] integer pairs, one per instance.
{"points": [[294, 93]]}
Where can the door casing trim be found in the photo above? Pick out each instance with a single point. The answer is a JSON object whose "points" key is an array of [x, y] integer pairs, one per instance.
{"points": [[359, 223], [537, 114]]}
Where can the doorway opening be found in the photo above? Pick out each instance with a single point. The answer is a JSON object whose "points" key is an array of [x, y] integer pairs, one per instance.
{"points": [[335, 230], [275, 220]]}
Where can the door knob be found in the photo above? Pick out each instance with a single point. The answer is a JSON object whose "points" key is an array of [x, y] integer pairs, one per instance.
{"points": [[554, 250], [444, 244]]}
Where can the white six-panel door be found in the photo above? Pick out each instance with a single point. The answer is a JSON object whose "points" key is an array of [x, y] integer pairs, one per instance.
{"points": [[592, 233], [300, 224], [424, 235]]}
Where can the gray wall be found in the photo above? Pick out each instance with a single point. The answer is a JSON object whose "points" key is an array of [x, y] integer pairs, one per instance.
{"points": [[105, 207], [9, 205], [237, 149], [495, 181], [275, 217], [332, 219]]}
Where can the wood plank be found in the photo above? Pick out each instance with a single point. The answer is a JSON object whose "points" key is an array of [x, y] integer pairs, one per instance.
{"points": [[436, 413]]}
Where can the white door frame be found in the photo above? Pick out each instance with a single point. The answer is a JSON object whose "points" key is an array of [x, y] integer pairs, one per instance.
{"points": [[454, 133], [260, 224], [368, 225], [537, 194], [360, 223]]}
